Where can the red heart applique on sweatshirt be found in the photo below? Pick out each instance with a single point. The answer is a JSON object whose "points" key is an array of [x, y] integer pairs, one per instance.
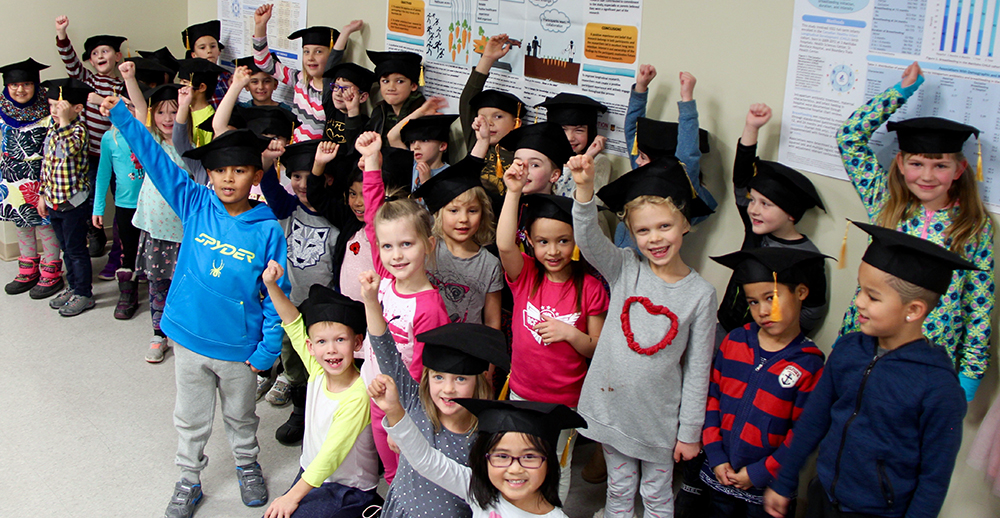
{"points": [[652, 309]]}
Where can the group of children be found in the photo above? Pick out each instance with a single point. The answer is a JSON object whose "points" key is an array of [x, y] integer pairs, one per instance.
{"points": [[402, 286]]}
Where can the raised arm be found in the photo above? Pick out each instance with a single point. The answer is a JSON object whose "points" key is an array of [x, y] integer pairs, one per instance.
{"points": [[637, 107], [127, 70], [510, 256], [369, 145], [432, 106], [262, 52], [429, 462], [69, 58], [286, 310], [600, 252], [224, 112]]}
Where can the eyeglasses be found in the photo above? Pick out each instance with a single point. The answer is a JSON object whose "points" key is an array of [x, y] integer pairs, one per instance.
{"points": [[20, 86], [502, 460], [341, 89]]}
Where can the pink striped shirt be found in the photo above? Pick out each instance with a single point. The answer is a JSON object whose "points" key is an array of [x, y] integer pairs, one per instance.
{"points": [[104, 85], [307, 103]]}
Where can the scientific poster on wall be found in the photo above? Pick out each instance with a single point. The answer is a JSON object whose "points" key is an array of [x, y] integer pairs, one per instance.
{"points": [[579, 46], [844, 52], [236, 17]]}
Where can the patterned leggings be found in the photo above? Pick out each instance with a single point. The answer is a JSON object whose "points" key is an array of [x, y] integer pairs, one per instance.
{"points": [[27, 242], [158, 299]]}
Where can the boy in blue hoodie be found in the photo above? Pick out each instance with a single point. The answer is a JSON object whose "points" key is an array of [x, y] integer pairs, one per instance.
{"points": [[224, 325], [887, 412]]}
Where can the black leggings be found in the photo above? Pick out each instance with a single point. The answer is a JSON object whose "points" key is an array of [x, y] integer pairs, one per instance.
{"points": [[129, 236]]}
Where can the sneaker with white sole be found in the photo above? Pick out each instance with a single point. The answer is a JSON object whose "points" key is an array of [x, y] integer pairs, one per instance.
{"points": [[280, 394], [76, 304], [182, 503], [61, 299], [264, 383], [157, 348], [253, 490]]}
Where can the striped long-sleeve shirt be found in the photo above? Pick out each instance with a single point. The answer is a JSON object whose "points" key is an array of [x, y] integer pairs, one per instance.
{"points": [[103, 85], [754, 397]]}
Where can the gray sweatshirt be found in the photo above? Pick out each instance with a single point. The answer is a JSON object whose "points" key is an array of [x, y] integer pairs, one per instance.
{"points": [[642, 404]]}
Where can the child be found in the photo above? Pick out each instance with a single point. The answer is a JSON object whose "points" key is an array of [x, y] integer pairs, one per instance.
{"points": [[23, 109], [468, 277], [542, 149], [512, 469], [771, 199], [926, 194], [322, 48], [559, 308], [888, 397], [346, 116], [399, 78], [65, 186], [761, 378], [261, 84], [577, 115], [641, 368], [199, 74], [201, 40], [427, 137], [228, 244], [402, 241], [338, 469]]}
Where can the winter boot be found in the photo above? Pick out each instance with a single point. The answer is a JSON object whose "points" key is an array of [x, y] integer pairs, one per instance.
{"points": [[128, 302], [50, 280], [27, 276], [294, 429], [114, 256], [96, 240]]}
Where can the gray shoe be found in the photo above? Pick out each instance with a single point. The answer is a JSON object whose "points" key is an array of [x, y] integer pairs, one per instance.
{"points": [[61, 299], [157, 348], [75, 305], [252, 487], [280, 394], [264, 384], [186, 497]]}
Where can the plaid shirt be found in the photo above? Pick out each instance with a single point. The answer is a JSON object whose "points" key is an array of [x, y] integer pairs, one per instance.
{"points": [[64, 168], [221, 87]]}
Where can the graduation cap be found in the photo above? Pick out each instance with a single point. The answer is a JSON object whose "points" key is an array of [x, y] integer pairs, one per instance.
{"points": [[448, 184], [546, 206], [299, 156], [142, 88], [326, 305], [659, 139], [545, 420], [405, 63], [316, 35], [509, 103], [787, 188], [547, 138], [268, 120], [115, 42], [772, 264], [193, 33], [148, 70], [431, 127], [573, 110], [22, 72], [199, 71], [914, 260], [70, 89], [238, 147], [164, 56], [165, 92], [247, 61], [933, 135], [362, 78], [397, 168], [464, 348], [663, 178]]}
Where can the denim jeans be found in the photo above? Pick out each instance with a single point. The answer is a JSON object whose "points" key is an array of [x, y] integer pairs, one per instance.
{"points": [[71, 230]]}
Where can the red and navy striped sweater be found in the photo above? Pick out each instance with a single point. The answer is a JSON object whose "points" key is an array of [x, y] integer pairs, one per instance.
{"points": [[753, 402]]}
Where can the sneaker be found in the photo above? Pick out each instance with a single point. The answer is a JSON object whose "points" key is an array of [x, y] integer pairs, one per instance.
{"points": [[280, 394], [264, 383], [140, 277], [186, 497], [157, 348], [61, 299], [75, 305], [252, 487]]}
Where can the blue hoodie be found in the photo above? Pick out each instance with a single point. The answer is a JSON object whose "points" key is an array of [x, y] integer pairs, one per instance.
{"points": [[217, 305], [888, 429]]}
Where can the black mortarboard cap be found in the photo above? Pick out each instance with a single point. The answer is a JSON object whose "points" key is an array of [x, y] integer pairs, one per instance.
{"points": [[545, 420], [247, 61], [191, 35], [148, 70], [547, 138], [299, 156], [69, 89], [405, 63], [663, 178], [509, 103], [397, 168], [448, 184], [787, 188], [237, 147], [326, 305], [912, 259], [792, 265], [659, 139], [357, 74], [316, 35], [572, 109], [931, 135], [267, 120], [161, 93], [464, 348], [164, 56], [431, 127], [22, 72], [115, 42], [199, 71], [546, 206]]}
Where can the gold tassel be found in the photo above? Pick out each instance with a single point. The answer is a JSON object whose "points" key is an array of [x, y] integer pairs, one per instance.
{"points": [[499, 163], [277, 167], [979, 160], [635, 144], [149, 116], [60, 93], [775, 301], [576, 253], [754, 169], [536, 117], [331, 39], [565, 453], [842, 261], [505, 389], [128, 49], [187, 41], [421, 81]]}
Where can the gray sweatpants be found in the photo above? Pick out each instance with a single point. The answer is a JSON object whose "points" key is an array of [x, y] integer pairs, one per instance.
{"points": [[198, 377], [653, 480]]}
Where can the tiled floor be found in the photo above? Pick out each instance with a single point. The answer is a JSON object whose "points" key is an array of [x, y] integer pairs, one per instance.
{"points": [[86, 428]]}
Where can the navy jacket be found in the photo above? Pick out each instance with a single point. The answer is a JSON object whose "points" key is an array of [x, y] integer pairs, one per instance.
{"points": [[888, 429]]}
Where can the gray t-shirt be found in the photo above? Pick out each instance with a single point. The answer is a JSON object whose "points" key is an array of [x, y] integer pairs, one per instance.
{"points": [[311, 240], [464, 283]]}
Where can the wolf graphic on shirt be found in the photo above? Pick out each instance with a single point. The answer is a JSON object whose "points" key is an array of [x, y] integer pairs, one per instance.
{"points": [[533, 316], [306, 245]]}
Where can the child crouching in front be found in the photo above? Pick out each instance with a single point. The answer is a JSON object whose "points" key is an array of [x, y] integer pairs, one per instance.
{"points": [[338, 468], [889, 399]]}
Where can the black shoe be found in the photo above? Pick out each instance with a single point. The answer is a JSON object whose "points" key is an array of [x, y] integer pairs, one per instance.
{"points": [[294, 429], [96, 239]]}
